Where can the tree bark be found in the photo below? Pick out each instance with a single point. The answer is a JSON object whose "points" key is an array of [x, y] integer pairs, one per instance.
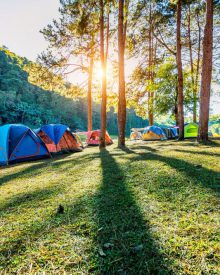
{"points": [[176, 107], [198, 58], [121, 81], [89, 96], [176, 115], [150, 72], [206, 74], [103, 66], [180, 72], [193, 85]]}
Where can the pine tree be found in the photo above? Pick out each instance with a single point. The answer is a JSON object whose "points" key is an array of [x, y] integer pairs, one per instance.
{"points": [[122, 25], [206, 74]]}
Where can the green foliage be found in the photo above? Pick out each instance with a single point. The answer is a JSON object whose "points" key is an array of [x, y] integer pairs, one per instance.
{"points": [[164, 88], [23, 102], [74, 34]]}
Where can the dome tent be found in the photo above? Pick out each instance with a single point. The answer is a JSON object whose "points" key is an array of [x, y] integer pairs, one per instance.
{"points": [[93, 138], [58, 138], [153, 133], [19, 143], [191, 130]]}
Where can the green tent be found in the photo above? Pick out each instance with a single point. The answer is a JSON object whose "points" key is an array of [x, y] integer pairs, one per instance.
{"points": [[191, 130]]}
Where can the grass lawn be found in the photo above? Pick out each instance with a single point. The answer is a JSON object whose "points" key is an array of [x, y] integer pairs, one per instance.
{"points": [[150, 209]]}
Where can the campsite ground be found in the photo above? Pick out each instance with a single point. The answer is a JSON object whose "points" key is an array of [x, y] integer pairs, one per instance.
{"points": [[150, 209]]}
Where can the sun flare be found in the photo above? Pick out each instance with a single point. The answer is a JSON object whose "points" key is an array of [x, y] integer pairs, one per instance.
{"points": [[98, 73]]}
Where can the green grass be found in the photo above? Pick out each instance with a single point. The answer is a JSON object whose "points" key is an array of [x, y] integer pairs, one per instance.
{"points": [[150, 209]]}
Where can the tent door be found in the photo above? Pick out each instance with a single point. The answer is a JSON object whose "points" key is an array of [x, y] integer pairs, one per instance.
{"points": [[26, 147]]}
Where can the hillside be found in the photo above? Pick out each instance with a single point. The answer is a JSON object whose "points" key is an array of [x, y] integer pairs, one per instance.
{"points": [[23, 102]]}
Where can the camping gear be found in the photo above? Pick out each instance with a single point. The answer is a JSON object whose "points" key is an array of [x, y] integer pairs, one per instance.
{"points": [[191, 130], [171, 133], [135, 135], [153, 133], [93, 138], [19, 143], [58, 138]]}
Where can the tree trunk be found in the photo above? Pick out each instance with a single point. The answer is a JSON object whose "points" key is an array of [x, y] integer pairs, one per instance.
{"points": [[150, 73], [180, 72], [198, 58], [206, 74], [192, 69], [176, 115], [153, 73], [103, 66], [176, 107], [89, 96], [121, 82]]}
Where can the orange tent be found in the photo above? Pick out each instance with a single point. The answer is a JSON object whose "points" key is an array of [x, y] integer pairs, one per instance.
{"points": [[57, 138], [93, 138]]}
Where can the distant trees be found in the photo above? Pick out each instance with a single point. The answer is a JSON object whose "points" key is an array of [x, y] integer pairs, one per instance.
{"points": [[23, 102]]}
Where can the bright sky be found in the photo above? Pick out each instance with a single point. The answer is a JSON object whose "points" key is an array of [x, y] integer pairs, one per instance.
{"points": [[20, 22]]}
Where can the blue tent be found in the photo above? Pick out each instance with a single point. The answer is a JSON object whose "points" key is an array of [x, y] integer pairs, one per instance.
{"points": [[19, 143], [58, 138], [171, 133], [153, 133], [53, 131]]}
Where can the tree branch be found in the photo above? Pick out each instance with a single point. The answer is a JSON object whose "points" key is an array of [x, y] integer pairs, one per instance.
{"points": [[161, 41]]}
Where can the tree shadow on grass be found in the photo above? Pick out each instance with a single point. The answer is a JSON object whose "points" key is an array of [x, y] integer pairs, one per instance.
{"points": [[198, 153], [34, 168], [124, 240], [139, 147], [193, 142], [204, 176]]}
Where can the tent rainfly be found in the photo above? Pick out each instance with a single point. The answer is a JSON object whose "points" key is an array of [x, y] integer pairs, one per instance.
{"points": [[93, 138], [191, 130], [19, 143], [58, 138], [153, 133]]}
